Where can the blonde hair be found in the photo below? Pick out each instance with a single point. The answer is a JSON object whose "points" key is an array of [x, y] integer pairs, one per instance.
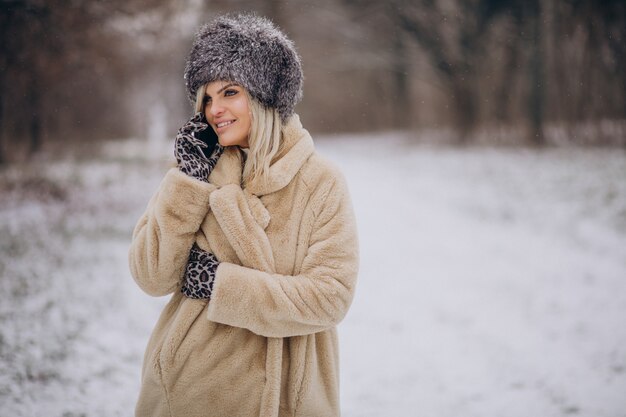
{"points": [[264, 138]]}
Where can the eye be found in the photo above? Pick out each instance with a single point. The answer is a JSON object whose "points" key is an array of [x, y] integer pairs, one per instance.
{"points": [[230, 92]]}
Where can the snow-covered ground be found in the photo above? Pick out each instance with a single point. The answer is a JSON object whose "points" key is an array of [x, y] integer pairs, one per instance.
{"points": [[493, 281]]}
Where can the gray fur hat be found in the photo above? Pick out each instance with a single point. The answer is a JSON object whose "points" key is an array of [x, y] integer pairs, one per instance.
{"points": [[252, 51]]}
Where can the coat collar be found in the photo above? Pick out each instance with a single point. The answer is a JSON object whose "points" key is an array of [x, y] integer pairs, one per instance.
{"points": [[297, 147]]}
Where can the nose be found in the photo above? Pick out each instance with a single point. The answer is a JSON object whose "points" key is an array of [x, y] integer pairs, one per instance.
{"points": [[214, 108]]}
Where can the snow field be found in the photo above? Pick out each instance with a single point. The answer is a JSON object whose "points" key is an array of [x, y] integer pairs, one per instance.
{"points": [[492, 283]]}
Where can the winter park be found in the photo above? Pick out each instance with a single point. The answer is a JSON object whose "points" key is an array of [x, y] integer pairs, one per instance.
{"points": [[483, 145]]}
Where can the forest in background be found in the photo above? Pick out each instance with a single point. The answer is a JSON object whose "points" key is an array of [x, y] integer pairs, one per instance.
{"points": [[533, 72]]}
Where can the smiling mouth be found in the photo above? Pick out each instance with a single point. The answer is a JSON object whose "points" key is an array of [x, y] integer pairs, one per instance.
{"points": [[225, 124]]}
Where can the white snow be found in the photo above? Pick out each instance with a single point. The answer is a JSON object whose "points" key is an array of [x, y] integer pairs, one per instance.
{"points": [[493, 281]]}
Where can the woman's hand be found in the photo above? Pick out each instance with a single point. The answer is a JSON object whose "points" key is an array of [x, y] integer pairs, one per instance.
{"points": [[188, 150], [199, 273]]}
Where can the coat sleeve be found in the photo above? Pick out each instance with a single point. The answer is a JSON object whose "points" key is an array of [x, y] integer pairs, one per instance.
{"points": [[276, 305], [164, 234]]}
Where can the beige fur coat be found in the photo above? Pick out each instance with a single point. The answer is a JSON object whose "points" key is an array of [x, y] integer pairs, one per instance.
{"points": [[266, 343]]}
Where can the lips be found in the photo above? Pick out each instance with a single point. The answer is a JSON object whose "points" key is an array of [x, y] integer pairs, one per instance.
{"points": [[223, 125]]}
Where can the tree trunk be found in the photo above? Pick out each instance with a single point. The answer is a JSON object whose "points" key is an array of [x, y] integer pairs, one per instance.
{"points": [[510, 70], [537, 82], [401, 100], [465, 112], [35, 119]]}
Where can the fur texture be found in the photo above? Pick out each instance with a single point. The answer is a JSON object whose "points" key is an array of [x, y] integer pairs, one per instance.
{"points": [[250, 50], [266, 343]]}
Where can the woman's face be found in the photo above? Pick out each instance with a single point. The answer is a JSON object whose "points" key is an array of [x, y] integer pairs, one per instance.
{"points": [[227, 111]]}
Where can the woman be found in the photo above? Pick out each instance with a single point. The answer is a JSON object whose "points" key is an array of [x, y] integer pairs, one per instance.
{"points": [[257, 243]]}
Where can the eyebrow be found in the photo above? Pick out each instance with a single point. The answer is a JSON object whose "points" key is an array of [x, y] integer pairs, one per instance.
{"points": [[223, 88]]}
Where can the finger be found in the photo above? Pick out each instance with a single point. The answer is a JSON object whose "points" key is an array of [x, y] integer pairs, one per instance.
{"points": [[197, 142], [197, 127], [193, 152], [195, 123], [188, 138], [190, 127]]}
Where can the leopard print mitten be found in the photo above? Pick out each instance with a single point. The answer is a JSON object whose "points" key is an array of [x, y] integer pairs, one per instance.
{"points": [[188, 150], [200, 273]]}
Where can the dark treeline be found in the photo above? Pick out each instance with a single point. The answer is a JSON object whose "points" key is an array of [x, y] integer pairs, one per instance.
{"points": [[522, 71]]}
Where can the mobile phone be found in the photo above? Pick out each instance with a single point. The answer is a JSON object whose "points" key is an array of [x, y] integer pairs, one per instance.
{"points": [[207, 136]]}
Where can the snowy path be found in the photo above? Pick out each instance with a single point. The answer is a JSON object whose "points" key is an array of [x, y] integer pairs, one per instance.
{"points": [[493, 283]]}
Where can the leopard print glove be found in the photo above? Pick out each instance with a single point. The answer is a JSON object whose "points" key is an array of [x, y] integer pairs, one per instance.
{"points": [[188, 150], [199, 274]]}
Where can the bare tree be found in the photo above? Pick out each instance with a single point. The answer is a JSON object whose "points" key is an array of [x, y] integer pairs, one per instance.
{"points": [[453, 36], [51, 46]]}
